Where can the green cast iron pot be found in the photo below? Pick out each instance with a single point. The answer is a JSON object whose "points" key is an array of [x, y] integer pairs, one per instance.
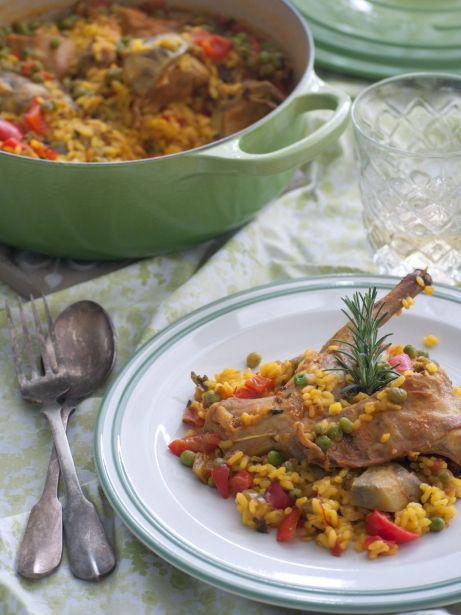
{"points": [[146, 207]]}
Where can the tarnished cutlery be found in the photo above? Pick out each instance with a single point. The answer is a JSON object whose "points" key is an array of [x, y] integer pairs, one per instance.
{"points": [[57, 383]]}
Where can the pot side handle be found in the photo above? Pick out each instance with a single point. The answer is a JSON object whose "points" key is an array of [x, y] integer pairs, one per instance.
{"points": [[237, 156]]}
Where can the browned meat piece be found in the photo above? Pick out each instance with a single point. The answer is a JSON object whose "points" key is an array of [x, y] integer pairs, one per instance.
{"points": [[137, 23], [164, 73], [180, 80], [224, 418], [429, 420], [144, 65], [390, 305], [17, 92], [256, 99], [58, 53]]}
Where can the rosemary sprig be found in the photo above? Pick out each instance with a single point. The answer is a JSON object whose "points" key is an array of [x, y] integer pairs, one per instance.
{"points": [[361, 358]]}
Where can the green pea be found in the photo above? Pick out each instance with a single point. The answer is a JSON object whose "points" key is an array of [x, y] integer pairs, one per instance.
{"points": [[295, 493], [410, 351], [26, 53], [334, 432], [151, 147], [37, 78], [279, 61], [20, 28], [36, 66], [323, 442], [301, 379], [187, 458], [437, 524], [113, 74], [422, 353], [266, 70], [67, 22], [48, 105], [210, 397], [275, 458], [241, 37], [444, 475], [34, 25], [268, 46], [319, 428], [346, 425], [54, 42], [265, 57], [396, 395], [253, 360]]}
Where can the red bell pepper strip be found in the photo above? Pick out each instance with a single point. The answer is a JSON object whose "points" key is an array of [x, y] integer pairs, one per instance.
{"points": [[378, 524], [287, 529], [240, 481], [45, 152], [27, 68], [214, 46], [35, 119], [276, 496], [9, 131], [220, 474], [254, 387], [49, 153], [13, 144], [198, 443]]}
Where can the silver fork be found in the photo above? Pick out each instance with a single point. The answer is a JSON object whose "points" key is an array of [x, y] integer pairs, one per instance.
{"points": [[90, 554]]}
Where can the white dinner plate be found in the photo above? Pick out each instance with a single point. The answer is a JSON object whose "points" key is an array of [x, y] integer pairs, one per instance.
{"points": [[190, 525]]}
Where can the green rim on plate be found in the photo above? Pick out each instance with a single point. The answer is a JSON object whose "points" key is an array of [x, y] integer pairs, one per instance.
{"points": [[154, 533], [381, 38]]}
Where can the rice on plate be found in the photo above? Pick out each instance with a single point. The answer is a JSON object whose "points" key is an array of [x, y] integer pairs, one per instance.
{"points": [[349, 445]]}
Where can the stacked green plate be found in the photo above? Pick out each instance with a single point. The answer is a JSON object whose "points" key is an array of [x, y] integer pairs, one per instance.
{"points": [[381, 38]]}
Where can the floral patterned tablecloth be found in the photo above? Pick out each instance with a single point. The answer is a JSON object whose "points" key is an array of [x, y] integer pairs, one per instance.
{"points": [[312, 229]]}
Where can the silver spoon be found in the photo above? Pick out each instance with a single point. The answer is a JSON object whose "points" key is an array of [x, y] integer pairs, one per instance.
{"points": [[86, 343]]}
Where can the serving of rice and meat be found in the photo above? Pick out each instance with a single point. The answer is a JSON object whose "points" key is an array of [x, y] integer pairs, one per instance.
{"points": [[108, 82], [310, 449]]}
